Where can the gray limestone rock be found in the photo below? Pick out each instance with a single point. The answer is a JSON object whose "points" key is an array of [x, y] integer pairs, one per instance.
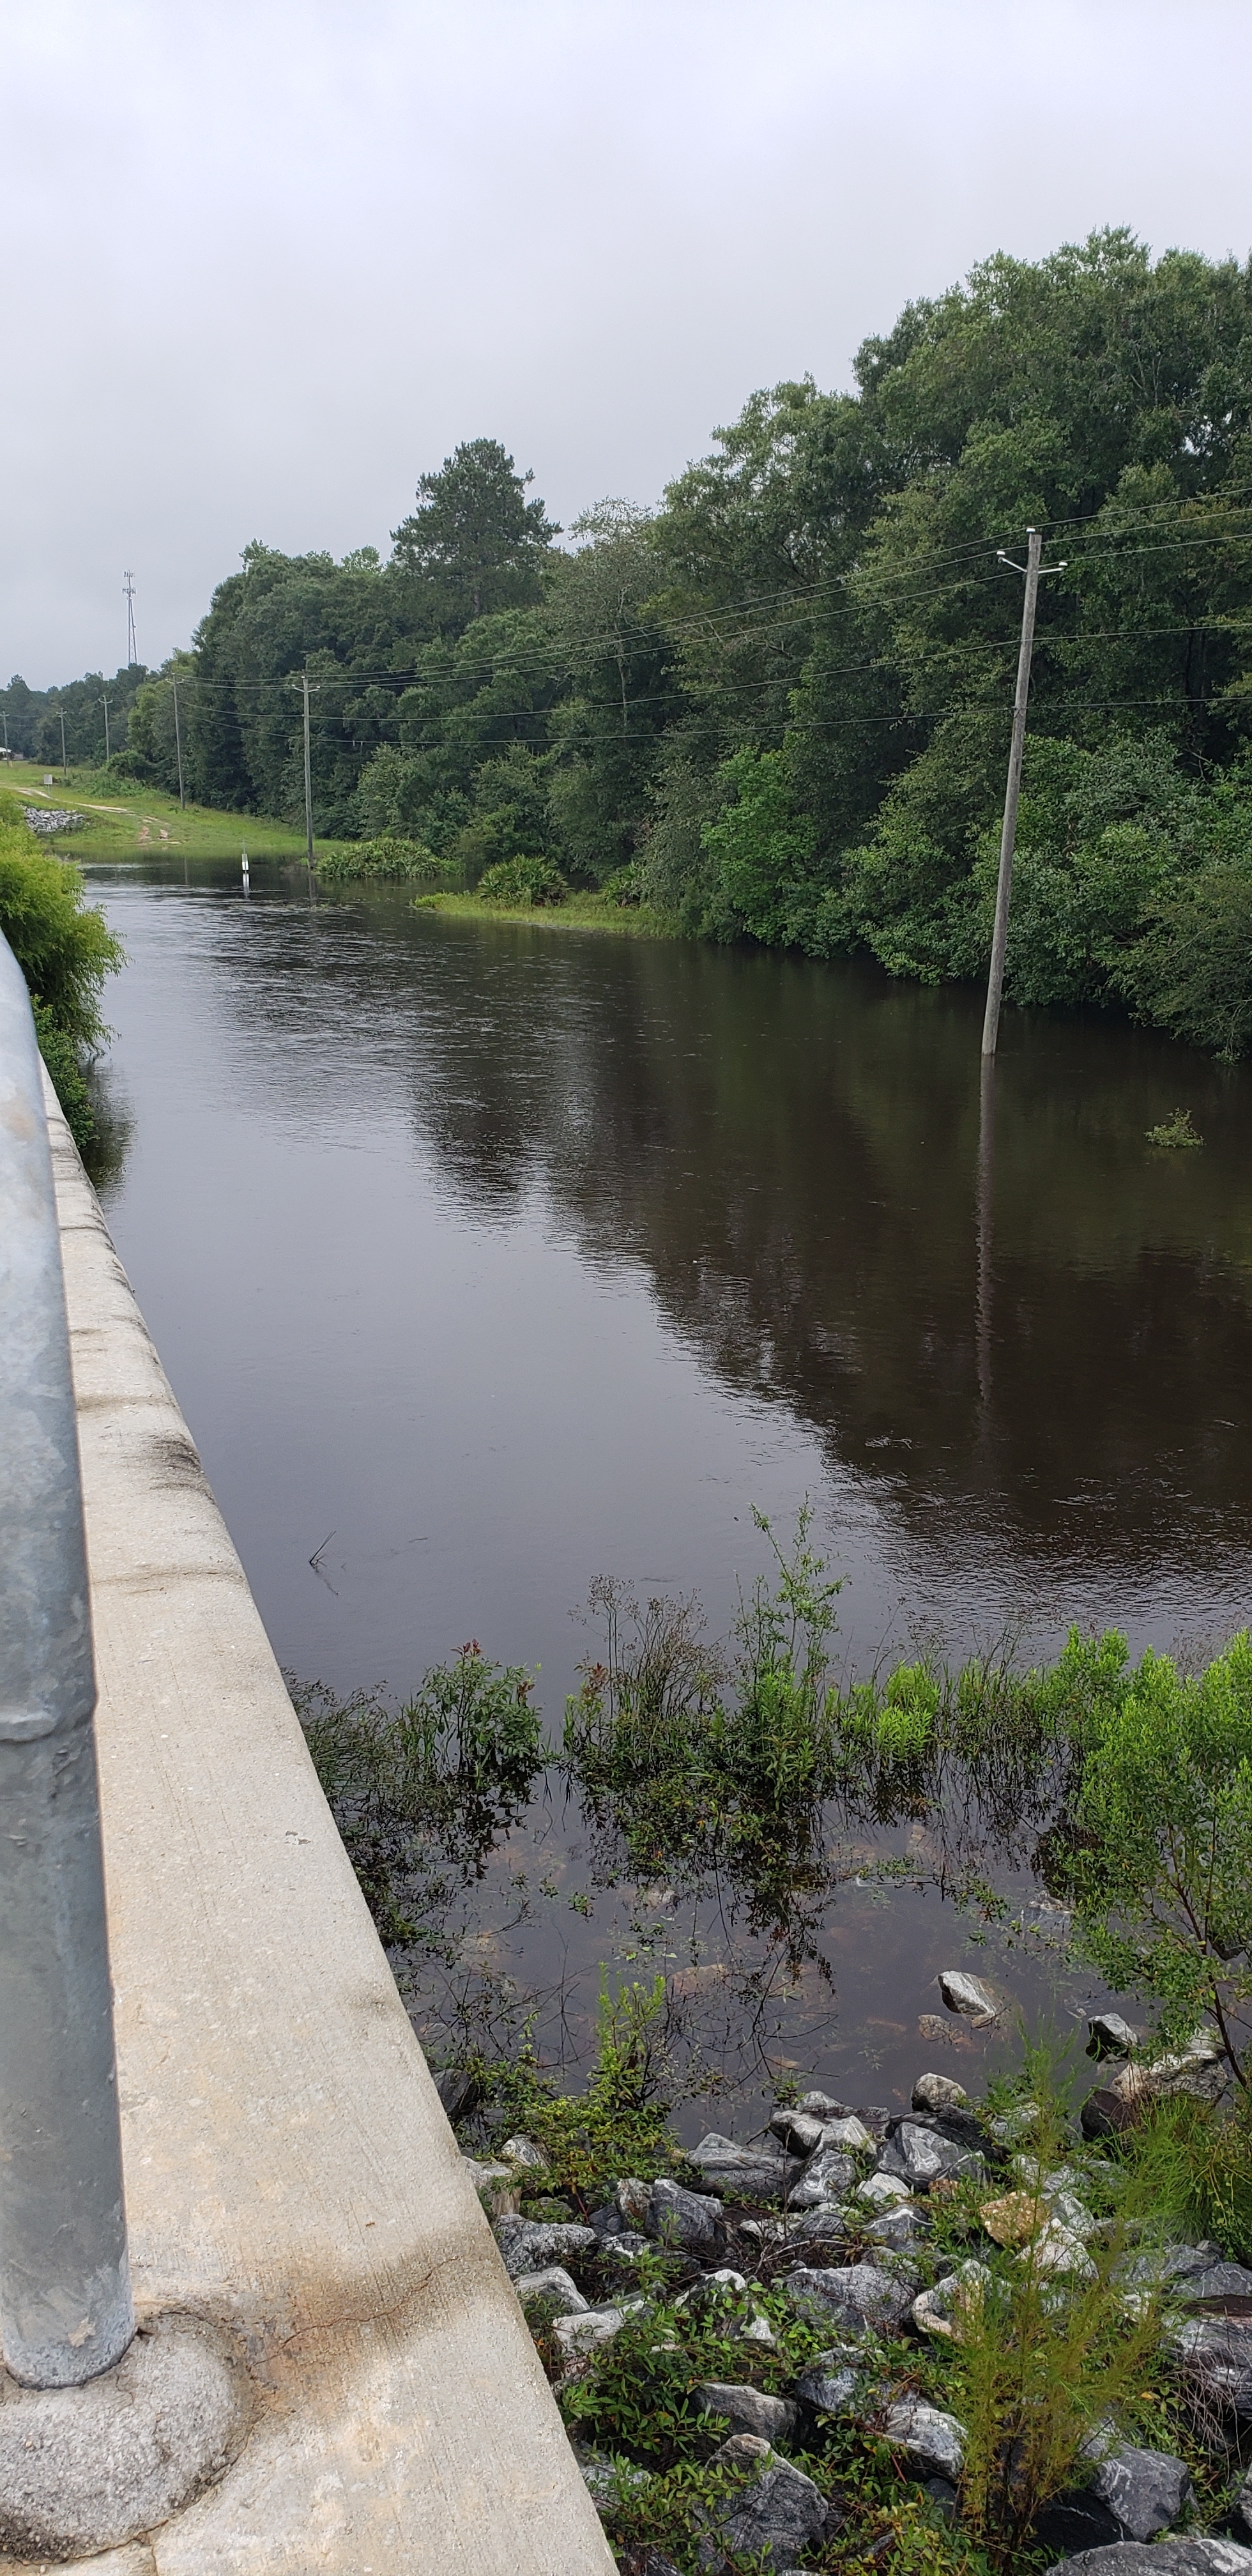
{"points": [[825, 2226], [858, 2296], [1216, 2352], [523, 2152], [748, 2410], [576, 2336], [921, 2155], [938, 2093], [825, 2106], [620, 2252], [691, 2220], [965, 1994], [835, 2384], [1109, 2036], [608, 2481], [744, 2173], [799, 2131], [882, 2191], [899, 2227], [555, 2288], [1164, 2558], [1170, 2267], [828, 2176], [1132, 2495], [1218, 2281], [533, 2244], [772, 2520], [849, 2134], [932, 2440], [1145, 2491]]}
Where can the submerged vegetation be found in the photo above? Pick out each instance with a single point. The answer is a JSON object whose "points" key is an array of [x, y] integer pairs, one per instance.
{"points": [[1034, 2294], [782, 700], [1126, 1788]]}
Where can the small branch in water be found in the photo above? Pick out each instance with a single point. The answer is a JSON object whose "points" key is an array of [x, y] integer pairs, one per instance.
{"points": [[316, 1562]]}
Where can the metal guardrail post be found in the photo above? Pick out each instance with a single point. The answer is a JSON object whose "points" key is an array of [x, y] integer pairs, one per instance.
{"points": [[65, 2300]]}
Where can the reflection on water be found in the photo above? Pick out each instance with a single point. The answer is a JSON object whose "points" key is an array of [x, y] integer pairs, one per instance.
{"points": [[487, 1259]]}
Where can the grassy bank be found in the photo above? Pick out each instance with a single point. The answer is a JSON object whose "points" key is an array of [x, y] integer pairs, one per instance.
{"points": [[578, 912], [125, 821]]}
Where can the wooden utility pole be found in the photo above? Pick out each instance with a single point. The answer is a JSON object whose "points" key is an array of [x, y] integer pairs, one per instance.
{"points": [[178, 743], [64, 769], [308, 774], [104, 697], [1004, 883]]}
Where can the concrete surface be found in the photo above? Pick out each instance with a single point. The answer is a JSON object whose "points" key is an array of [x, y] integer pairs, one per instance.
{"points": [[290, 2173], [86, 2467]]}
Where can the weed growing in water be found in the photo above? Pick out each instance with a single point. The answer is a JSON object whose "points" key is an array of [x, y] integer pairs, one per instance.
{"points": [[1175, 1131], [389, 857], [443, 1775]]}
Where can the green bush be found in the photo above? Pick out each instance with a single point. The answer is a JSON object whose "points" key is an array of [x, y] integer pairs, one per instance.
{"points": [[523, 881], [65, 950], [1192, 971], [406, 862], [1156, 1847]]}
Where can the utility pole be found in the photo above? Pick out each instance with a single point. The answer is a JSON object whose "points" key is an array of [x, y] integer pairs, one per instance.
{"points": [[104, 696], [132, 648], [1004, 883], [303, 683], [64, 768], [178, 743]]}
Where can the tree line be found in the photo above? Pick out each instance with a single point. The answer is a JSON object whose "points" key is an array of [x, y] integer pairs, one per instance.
{"points": [[778, 707], [96, 712]]}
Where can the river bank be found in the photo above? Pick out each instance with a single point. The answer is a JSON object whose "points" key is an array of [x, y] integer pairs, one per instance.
{"points": [[127, 819], [969, 2338]]}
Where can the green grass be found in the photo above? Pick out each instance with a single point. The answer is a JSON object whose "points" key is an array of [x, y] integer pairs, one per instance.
{"points": [[579, 912], [128, 820]]}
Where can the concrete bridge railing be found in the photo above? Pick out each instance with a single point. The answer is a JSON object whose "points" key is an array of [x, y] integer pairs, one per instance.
{"points": [[322, 2315]]}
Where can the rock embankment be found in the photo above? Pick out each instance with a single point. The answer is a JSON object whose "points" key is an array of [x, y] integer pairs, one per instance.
{"points": [[47, 819], [845, 2256]]}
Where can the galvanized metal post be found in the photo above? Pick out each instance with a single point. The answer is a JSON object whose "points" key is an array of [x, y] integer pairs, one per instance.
{"points": [[65, 2300]]}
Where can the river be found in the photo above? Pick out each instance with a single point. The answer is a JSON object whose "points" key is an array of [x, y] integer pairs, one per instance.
{"points": [[486, 1259]]}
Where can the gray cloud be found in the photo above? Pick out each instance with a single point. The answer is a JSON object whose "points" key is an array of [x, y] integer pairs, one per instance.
{"points": [[266, 262]]}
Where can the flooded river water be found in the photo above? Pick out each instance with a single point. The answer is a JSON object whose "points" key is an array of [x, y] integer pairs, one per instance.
{"points": [[487, 1259]]}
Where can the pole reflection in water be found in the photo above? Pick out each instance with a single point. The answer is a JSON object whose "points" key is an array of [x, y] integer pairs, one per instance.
{"points": [[985, 1222]]}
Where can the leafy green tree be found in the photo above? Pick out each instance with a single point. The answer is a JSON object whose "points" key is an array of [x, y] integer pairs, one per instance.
{"points": [[474, 541], [608, 636]]}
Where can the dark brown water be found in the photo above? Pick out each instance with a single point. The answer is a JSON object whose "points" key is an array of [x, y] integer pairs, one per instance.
{"points": [[486, 1259]]}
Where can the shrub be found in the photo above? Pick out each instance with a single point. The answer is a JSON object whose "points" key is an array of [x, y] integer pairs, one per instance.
{"points": [[523, 881], [65, 950], [407, 862], [447, 1773], [1192, 972], [1178, 1130], [1156, 1844], [625, 885]]}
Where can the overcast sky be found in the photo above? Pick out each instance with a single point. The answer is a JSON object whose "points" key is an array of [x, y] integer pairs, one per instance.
{"points": [[266, 260]]}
